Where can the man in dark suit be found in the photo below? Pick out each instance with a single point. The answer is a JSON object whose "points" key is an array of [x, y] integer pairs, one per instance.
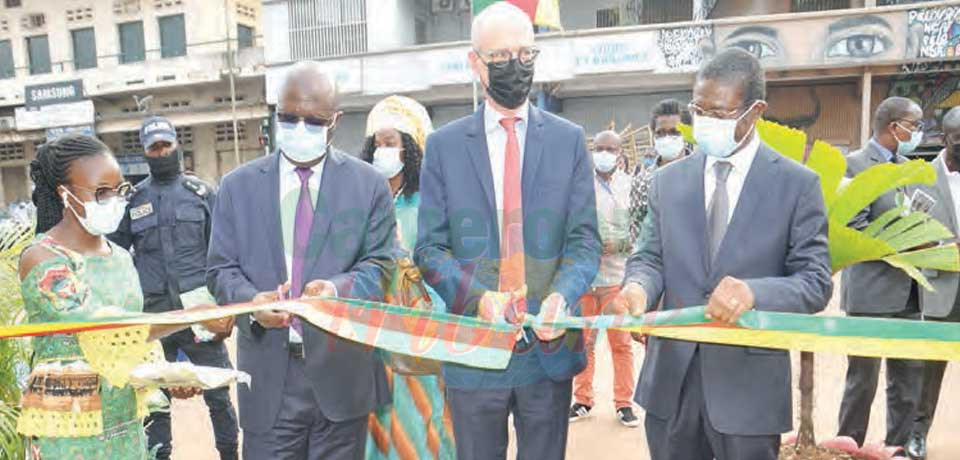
{"points": [[508, 206], [735, 226], [942, 303], [880, 290], [318, 222]]}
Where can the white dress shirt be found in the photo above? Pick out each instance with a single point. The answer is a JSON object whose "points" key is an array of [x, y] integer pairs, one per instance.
{"points": [[289, 197], [741, 162], [613, 219], [953, 178], [497, 148]]}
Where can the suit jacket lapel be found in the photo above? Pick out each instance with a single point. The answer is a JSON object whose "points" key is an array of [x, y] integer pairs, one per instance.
{"points": [[694, 204], [759, 178], [480, 157], [943, 186], [532, 151], [269, 208], [325, 209]]}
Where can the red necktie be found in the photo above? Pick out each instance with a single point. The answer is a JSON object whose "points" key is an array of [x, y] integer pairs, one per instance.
{"points": [[512, 264]]}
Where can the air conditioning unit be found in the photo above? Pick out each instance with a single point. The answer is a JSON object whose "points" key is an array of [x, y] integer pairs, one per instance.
{"points": [[443, 6], [7, 124]]}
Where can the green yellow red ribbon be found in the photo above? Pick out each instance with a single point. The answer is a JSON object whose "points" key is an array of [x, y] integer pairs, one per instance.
{"points": [[473, 342]]}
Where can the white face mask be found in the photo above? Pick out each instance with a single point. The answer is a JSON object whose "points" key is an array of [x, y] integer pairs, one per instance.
{"points": [[387, 160], [101, 218], [604, 161], [669, 147], [301, 143], [717, 137]]}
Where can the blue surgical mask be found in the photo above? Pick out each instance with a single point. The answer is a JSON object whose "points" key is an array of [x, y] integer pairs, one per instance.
{"points": [[717, 137], [906, 148], [301, 143]]}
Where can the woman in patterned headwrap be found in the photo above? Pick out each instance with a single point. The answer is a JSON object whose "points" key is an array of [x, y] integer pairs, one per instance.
{"points": [[417, 425]]}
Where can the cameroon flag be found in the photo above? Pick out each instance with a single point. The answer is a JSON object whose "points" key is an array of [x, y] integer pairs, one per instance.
{"points": [[544, 13]]}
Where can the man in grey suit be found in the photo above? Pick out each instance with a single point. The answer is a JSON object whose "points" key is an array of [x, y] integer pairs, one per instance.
{"points": [[313, 221], [508, 225], [943, 303], [880, 290], [735, 226]]}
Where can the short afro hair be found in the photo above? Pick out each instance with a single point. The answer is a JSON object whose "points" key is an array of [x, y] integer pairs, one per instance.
{"points": [[668, 107], [734, 65]]}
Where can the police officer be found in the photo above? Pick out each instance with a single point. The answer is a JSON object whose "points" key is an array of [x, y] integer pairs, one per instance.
{"points": [[168, 225]]}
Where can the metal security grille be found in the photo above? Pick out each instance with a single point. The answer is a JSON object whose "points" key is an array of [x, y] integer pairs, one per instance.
{"points": [[11, 152], [608, 17], [327, 28], [800, 6], [225, 132], [131, 143], [185, 136]]}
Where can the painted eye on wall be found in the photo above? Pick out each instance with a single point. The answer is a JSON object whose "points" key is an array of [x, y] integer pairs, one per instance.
{"points": [[759, 49], [858, 46]]}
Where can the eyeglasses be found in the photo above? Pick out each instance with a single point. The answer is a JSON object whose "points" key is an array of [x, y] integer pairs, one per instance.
{"points": [[716, 113], [904, 125], [102, 194], [314, 122], [500, 58]]}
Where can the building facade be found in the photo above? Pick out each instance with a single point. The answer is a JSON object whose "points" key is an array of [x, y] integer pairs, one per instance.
{"points": [[101, 66], [830, 62]]}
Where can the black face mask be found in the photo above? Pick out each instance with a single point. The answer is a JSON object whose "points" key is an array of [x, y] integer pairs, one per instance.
{"points": [[510, 83], [165, 168]]}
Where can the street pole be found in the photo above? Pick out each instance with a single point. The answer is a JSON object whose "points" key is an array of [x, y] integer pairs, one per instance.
{"points": [[866, 90], [233, 85]]}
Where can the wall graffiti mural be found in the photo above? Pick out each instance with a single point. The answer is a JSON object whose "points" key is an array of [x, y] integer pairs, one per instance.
{"points": [[845, 39], [685, 48], [938, 29], [936, 93]]}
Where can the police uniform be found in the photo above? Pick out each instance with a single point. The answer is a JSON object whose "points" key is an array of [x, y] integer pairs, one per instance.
{"points": [[167, 225]]}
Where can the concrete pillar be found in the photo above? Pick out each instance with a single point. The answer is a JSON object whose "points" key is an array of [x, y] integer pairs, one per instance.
{"points": [[866, 118]]}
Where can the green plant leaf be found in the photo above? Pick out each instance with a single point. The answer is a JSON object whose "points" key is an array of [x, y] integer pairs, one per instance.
{"points": [[870, 184], [828, 162], [946, 258], [848, 247], [910, 270], [787, 141], [687, 132], [927, 232], [878, 225]]}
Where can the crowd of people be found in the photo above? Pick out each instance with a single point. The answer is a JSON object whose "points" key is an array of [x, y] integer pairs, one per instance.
{"points": [[505, 213]]}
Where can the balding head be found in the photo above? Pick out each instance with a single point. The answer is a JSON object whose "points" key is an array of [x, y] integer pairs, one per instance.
{"points": [[308, 90], [500, 26], [951, 125], [607, 141]]}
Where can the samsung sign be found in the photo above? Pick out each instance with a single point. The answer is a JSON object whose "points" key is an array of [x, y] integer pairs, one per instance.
{"points": [[53, 93]]}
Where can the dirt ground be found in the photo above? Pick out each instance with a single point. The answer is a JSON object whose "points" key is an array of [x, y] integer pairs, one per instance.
{"points": [[603, 438]]}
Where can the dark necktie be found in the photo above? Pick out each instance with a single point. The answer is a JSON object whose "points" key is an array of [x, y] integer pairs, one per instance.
{"points": [[302, 224], [718, 216]]}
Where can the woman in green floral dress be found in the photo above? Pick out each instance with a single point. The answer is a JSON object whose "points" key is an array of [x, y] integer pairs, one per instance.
{"points": [[71, 409]]}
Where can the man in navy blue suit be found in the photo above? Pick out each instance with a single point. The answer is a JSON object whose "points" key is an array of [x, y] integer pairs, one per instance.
{"points": [[508, 227]]}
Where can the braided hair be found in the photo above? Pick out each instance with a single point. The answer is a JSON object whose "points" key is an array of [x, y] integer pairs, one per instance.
{"points": [[50, 169], [412, 156]]}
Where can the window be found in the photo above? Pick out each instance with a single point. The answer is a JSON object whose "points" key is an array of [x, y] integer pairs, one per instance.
{"points": [[327, 28], [6, 59], [131, 42], [12, 3], [131, 143], [225, 132], [38, 53], [666, 11], [11, 151], [173, 37], [84, 48], [608, 17], [799, 6], [244, 36]]}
